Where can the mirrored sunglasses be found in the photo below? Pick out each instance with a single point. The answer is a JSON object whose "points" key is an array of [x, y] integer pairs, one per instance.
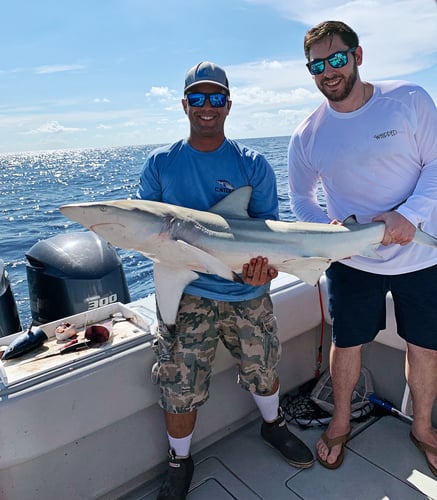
{"points": [[197, 99], [336, 60]]}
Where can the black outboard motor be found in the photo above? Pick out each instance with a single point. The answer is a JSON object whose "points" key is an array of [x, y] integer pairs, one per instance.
{"points": [[9, 318], [71, 273]]}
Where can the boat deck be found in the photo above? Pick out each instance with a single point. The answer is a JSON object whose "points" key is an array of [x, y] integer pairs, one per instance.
{"points": [[380, 463]]}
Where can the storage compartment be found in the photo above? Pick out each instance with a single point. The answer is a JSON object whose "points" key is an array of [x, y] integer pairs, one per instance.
{"points": [[126, 328]]}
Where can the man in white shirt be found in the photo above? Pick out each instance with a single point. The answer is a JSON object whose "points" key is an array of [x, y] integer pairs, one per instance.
{"points": [[373, 147]]}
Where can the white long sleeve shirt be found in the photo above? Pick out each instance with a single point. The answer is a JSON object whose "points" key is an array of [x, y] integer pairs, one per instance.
{"points": [[367, 162]]}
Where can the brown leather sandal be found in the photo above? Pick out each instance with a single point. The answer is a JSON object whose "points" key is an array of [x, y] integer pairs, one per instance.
{"points": [[330, 443], [423, 447]]}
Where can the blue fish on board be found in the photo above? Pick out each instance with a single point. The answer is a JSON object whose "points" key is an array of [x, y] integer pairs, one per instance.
{"points": [[25, 343]]}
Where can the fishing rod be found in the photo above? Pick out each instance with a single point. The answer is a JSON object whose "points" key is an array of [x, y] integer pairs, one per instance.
{"points": [[388, 406]]}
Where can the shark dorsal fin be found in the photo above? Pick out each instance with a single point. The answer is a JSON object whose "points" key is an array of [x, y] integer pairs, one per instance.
{"points": [[235, 204]]}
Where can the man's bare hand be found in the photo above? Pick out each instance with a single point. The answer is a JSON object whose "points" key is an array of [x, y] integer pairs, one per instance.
{"points": [[398, 229], [258, 272]]}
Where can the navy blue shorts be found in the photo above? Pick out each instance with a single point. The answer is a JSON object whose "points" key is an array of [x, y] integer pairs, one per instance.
{"points": [[358, 308]]}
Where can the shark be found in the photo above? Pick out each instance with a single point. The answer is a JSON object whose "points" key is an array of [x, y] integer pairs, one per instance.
{"points": [[183, 242]]}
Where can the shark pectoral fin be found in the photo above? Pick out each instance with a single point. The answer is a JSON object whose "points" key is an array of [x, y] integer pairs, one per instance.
{"points": [[308, 269], [204, 262], [370, 252], [169, 286]]}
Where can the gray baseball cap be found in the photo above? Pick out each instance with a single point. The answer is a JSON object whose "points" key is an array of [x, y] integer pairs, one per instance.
{"points": [[206, 72]]}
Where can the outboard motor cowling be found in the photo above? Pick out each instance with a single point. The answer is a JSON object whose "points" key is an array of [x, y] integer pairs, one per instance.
{"points": [[9, 318], [71, 273]]}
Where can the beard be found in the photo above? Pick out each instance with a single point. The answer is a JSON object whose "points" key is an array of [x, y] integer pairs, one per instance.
{"points": [[349, 84]]}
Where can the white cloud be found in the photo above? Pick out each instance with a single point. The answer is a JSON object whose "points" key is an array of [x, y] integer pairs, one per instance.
{"points": [[271, 74], [54, 127], [131, 124], [163, 94], [254, 96], [159, 91], [58, 68], [101, 99]]}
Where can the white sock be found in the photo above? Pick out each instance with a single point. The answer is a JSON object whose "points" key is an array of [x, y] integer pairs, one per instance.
{"points": [[181, 446], [268, 405]]}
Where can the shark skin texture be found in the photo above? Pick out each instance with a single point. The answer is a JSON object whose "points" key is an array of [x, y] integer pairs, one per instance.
{"points": [[182, 241]]}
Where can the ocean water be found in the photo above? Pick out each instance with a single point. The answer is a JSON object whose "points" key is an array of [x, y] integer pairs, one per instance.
{"points": [[34, 185]]}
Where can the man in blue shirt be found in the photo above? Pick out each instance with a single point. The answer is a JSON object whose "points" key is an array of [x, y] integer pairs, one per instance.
{"points": [[197, 173]]}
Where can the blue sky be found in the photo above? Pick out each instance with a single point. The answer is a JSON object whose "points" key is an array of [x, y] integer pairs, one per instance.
{"points": [[103, 73]]}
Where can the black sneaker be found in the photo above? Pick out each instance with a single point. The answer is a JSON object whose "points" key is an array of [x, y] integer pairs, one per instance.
{"points": [[179, 475], [277, 435]]}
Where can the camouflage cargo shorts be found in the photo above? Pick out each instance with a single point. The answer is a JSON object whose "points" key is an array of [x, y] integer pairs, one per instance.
{"points": [[248, 330]]}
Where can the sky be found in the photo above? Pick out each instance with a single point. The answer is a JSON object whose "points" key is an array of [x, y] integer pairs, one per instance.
{"points": [[108, 73]]}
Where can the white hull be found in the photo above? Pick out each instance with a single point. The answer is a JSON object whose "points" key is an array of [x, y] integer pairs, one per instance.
{"points": [[97, 431]]}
